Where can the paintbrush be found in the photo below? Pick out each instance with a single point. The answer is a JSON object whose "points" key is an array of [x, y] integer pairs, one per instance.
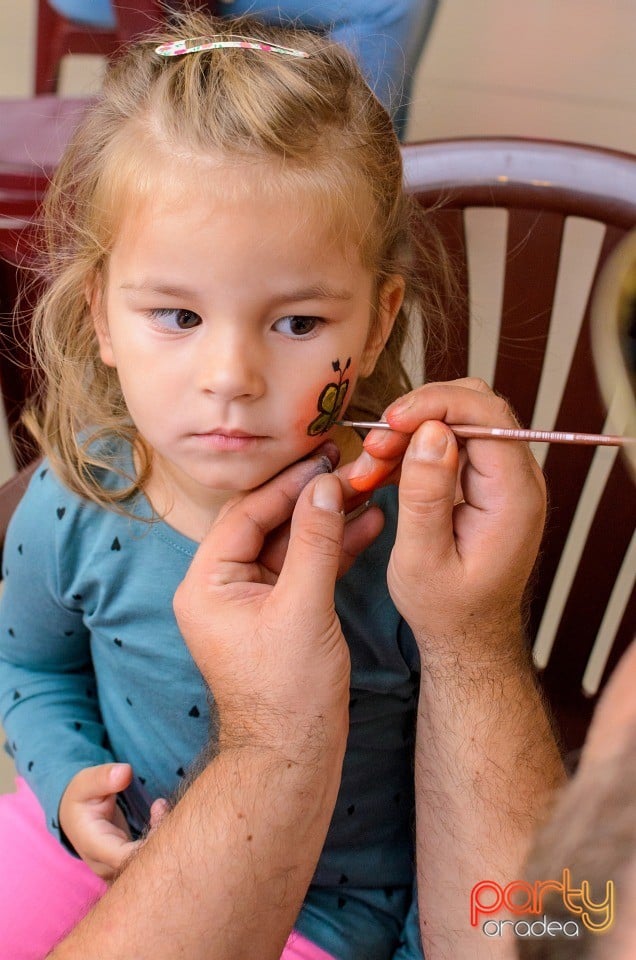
{"points": [[468, 431]]}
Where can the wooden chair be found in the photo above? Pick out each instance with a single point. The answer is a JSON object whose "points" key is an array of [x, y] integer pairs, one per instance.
{"points": [[35, 132], [135, 17], [10, 495], [529, 225], [57, 36], [16, 381]]}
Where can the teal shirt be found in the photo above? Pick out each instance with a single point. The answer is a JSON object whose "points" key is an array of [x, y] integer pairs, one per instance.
{"points": [[93, 669]]}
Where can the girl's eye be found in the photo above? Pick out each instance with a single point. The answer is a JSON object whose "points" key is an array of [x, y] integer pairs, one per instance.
{"points": [[297, 326], [171, 319]]}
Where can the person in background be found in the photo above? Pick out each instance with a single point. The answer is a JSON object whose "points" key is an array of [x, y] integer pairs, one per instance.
{"points": [[386, 38], [590, 832]]}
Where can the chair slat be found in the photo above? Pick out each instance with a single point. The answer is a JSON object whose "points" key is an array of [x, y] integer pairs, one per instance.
{"points": [[625, 635], [534, 247], [453, 361], [605, 548], [582, 409]]}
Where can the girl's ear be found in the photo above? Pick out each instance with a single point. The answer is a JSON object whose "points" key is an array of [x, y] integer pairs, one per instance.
{"points": [[390, 297], [95, 299]]}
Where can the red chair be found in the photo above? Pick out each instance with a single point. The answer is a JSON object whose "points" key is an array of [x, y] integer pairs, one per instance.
{"points": [[136, 17], [529, 225], [57, 36], [34, 135], [16, 380]]}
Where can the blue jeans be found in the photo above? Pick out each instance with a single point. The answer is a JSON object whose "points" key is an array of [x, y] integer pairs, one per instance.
{"points": [[94, 13], [387, 38]]}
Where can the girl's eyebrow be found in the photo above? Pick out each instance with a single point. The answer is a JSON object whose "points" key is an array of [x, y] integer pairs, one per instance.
{"points": [[165, 289], [317, 291]]}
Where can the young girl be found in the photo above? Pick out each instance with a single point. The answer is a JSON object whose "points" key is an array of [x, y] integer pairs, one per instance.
{"points": [[228, 259]]}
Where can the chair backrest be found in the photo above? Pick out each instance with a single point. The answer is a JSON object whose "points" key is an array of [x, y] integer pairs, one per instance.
{"points": [[35, 132], [16, 378], [57, 36], [10, 495], [138, 17], [529, 225]]}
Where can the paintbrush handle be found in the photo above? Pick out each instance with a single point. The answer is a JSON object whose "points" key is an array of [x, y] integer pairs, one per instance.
{"points": [[468, 431]]}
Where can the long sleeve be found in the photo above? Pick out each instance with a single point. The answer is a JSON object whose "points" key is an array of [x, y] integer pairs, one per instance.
{"points": [[48, 695]]}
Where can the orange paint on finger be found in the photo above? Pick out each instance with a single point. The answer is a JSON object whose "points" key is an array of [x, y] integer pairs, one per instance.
{"points": [[373, 479], [384, 440]]}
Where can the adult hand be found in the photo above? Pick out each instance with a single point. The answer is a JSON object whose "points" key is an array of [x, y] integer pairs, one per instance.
{"points": [[264, 642], [458, 569], [361, 528], [242, 843]]}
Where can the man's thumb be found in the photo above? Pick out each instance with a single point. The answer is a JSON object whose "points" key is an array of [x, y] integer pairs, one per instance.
{"points": [[315, 544]]}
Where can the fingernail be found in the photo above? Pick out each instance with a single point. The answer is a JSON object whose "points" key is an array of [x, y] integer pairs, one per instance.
{"points": [[363, 465], [316, 466], [116, 770], [329, 451], [399, 407], [327, 494], [430, 442]]}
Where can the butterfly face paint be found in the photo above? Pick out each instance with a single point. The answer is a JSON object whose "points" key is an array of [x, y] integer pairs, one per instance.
{"points": [[330, 401]]}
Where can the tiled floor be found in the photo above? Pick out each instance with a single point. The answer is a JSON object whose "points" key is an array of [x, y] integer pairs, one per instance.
{"points": [[563, 69]]}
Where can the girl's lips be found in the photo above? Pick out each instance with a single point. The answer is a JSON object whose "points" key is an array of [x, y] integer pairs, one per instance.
{"points": [[229, 440]]}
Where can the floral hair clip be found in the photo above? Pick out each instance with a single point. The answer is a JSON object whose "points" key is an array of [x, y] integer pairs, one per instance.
{"points": [[196, 44]]}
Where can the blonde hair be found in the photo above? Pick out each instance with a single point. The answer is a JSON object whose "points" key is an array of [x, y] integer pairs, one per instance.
{"points": [[314, 117]]}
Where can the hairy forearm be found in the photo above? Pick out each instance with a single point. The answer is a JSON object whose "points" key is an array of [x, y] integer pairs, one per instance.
{"points": [[225, 874], [486, 764]]}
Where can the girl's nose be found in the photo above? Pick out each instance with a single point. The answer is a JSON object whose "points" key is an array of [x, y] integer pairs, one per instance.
{"points": [[233, 368]]}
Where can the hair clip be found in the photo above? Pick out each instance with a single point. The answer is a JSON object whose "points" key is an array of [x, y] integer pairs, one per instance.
{"points": [[196, 44]]}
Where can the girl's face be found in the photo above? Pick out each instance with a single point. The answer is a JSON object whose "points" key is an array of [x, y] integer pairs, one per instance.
{"points": [[226, 319]]}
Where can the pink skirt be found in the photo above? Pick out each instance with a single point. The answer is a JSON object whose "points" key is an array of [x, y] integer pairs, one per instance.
{"points": [[45, 892]]}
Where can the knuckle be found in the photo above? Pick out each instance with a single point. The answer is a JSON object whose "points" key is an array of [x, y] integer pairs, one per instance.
{"points": [[502, 410], [478, 384], [184, 602], [427, 506], [323, 537]]}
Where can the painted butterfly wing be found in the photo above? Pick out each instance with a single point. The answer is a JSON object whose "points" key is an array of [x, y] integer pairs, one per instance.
{"points": [[342, 392], [330, 404], [320, 425]]}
